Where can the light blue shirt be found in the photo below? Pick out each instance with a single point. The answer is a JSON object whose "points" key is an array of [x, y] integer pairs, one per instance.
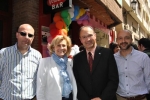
{"points": [[134, 73], [18, 73]]}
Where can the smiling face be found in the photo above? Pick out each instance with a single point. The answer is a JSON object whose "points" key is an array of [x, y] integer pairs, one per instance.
{"points": [[60, 45], [88, 38], [124, 39], [60, 49]]}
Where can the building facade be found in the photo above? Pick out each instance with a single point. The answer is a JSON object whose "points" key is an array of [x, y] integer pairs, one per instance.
{"points": [[102, 13], [136, 20]]}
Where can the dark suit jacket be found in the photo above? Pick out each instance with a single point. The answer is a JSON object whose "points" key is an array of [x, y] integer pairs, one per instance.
{"points": [[102, 81]]}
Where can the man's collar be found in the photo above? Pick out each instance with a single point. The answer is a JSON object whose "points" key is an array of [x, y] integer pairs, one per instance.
{"points": [[16, 48], [92, 50], [132, 51]]}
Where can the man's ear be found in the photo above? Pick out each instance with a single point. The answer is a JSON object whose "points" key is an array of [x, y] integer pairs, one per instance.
{"points": [[17, 34], [141, 47]]}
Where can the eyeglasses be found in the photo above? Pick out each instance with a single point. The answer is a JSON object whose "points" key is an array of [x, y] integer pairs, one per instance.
{"points": [[88, 36], [24, 34]]}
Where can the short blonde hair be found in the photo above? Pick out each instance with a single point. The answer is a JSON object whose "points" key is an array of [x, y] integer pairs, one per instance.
{"points": [[57, 40]]}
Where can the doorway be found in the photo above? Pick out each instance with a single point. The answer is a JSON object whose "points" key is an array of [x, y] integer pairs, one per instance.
{"points": [[1, 33], [5, 23]]}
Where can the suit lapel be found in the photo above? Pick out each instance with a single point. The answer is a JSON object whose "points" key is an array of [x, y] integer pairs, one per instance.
{"points": [[97, 56]]}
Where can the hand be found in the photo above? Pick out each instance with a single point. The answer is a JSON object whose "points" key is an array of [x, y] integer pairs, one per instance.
{"points": [[97, 98]]}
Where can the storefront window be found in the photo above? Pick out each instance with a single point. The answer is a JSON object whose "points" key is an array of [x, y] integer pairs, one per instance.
{"points": [[102, 38], [4, 5]]}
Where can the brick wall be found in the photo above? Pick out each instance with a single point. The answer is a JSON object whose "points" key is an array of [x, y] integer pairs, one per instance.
{"points": [[26, 11], [114, 8]]}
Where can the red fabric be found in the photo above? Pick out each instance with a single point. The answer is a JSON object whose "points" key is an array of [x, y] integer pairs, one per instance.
{"points": [[90, 60]]}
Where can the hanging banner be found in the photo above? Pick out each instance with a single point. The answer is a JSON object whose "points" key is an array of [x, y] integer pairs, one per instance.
{"points": [[59, 4]]}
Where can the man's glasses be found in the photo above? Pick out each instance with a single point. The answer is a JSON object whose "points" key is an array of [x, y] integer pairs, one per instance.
{"points": [[88, 36], [24, 34]]}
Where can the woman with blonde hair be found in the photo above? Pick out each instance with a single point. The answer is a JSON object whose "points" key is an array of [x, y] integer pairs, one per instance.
{"points": [[55, 79]]}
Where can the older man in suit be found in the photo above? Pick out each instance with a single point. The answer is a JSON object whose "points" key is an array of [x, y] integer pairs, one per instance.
{"points": [[96, 79]]}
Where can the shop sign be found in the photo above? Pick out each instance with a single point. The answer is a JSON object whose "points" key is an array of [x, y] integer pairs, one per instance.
{"points": [[59, 4]]}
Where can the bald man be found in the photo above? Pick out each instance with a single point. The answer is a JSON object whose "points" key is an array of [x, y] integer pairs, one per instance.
{"points": [[18, 67], [134, 69]]}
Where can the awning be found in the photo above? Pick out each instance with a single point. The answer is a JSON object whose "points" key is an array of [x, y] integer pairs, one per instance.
{"points": [[103, 11]]}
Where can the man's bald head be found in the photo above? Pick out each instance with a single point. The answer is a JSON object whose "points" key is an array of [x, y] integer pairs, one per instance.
{"points": [[28, 26]]}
